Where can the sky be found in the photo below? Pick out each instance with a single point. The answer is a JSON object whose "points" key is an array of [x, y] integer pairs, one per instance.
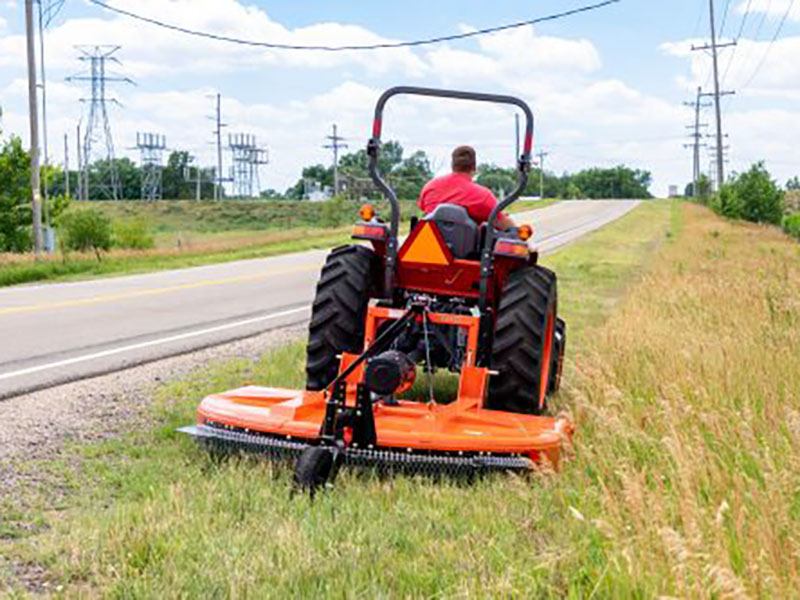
{"points": [[606, 87]]}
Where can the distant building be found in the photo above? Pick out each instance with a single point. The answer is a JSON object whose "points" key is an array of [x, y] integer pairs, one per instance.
{"points": [[673, 191]]}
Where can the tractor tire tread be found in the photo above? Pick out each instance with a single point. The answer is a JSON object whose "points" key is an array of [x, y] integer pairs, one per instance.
{"points": [[527, 298], [338, 311]]}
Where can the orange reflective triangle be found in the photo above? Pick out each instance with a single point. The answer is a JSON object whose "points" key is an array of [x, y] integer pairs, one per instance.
{"points": [[426, 248]]}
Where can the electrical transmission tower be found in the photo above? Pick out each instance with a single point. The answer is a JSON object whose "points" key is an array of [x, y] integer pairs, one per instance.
{"points": [[696, 136], [335, 145], [98, 142], [714, 46], [151, 151], [247, 158], [258, 157]]}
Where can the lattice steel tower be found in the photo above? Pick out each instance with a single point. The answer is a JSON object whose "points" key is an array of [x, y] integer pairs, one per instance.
{"points": [[247, 158], [151, 151], [98, 143]]}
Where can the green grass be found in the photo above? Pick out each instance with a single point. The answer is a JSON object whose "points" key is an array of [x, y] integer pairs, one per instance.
{"points": [[149, 515], [191, 234], [16, 271], [182, 216]]}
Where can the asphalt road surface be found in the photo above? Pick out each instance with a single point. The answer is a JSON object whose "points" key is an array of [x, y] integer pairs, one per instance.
{"points": [[59, 332]]}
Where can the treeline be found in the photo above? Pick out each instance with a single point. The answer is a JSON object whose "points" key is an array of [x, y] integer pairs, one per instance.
{"points": [[409, 174], [177, 179], [754, 196]]}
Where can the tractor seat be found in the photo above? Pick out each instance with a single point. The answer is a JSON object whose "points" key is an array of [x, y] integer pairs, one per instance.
{"points": [[459, 231]]}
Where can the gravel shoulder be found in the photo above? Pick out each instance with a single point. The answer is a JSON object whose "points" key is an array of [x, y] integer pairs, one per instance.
{"points": [[37, 426]]}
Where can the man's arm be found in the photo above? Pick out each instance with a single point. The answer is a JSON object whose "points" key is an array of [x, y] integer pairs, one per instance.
{"points": [[503, 220]]}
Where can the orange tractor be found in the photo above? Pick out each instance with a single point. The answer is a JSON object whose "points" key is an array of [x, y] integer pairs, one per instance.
{"points": [[455, 296]]}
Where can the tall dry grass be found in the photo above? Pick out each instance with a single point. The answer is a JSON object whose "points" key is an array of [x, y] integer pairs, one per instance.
{"points": [[689, 408]]}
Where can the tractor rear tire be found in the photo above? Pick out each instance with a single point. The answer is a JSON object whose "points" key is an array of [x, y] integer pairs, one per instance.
{"points": [[559, 349], [338, 312], [523, 345]]}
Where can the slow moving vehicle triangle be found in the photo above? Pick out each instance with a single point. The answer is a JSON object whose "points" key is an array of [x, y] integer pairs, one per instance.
{"points": [[426, 248]]}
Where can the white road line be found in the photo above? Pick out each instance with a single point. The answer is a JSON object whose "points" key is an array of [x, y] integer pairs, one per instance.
{"points": [[157, 342]]}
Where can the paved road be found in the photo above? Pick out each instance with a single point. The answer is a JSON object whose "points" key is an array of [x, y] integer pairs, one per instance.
{"points": [[54, 333]]}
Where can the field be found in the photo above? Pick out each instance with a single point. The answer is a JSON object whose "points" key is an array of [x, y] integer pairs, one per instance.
{"points": [[194, 233], [684, 382]]}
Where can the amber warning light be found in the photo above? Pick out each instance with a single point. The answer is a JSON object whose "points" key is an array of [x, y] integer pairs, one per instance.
{"points": [[367, 212]]}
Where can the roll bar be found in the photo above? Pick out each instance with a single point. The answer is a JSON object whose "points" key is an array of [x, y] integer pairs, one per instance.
{"points": [[373, 150]]}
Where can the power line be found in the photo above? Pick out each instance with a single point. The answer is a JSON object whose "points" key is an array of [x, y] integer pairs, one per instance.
{"points": [[738, 36], [744, 18], [420, 42], [763, 19], [771, 43], [725, 17]]}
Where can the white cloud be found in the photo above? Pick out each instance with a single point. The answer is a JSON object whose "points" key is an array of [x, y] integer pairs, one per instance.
{"points": [[758, 67], [774, 8], [151, 51]]}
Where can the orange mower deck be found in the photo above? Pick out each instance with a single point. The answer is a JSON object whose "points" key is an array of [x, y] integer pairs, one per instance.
{"points": [[266, 418]]}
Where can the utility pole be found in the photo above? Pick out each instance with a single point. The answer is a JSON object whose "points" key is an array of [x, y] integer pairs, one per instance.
{"points": [[714, 46], [696, 136], [46, 185], [80, 161], [541, 154], [218, 134], [335, 145], [33, 115], [66, 165]]}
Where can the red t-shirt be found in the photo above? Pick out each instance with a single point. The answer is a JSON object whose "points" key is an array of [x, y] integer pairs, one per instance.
{"points": [[458, 188]]}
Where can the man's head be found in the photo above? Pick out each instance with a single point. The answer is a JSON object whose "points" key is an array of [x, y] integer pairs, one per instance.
{"points": [[464, 160]]}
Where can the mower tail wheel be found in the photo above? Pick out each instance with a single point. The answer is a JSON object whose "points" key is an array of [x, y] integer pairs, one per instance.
{"points": [[315, 467], [523, 350], [338, 312]]}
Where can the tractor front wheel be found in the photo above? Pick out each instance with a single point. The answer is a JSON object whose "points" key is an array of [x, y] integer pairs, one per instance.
{"points": [[338, 312], [523, 347]]}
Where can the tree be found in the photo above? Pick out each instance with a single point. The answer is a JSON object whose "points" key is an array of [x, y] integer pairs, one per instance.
{"points": [[793, 184], [411, 175], [407, 175], [617, 182], [703, 188], [319, 175], [271, 194], [85, 229], [173, 178], [752, 196], [498, 179], [15, 193]]}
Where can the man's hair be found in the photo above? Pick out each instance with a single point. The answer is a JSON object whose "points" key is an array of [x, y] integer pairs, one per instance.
{"points": [[464, 159]]}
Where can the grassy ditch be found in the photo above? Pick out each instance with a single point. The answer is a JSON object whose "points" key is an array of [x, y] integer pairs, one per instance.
{"points": [[150, 515], [189, 234]]}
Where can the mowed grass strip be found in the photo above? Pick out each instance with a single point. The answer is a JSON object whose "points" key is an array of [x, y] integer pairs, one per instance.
{"points": [[684, 480], [151, 515]]}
